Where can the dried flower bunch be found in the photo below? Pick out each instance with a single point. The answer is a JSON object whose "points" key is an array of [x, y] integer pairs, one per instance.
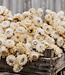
{"points": [[24, 37]]}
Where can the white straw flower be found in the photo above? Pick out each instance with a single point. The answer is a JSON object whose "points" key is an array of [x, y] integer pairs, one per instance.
{"points": [[9, 32], [9, 43], [5, 24], [10, 60], [21, 59]]}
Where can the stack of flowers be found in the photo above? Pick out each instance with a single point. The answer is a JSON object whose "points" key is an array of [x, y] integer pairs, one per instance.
{"points": [[24, 37]]}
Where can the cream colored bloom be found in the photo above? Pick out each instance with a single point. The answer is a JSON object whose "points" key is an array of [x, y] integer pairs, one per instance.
{"points": [[33, 56], [48, 29], [20, 30], [40, 48], [2, 41], [9, 32], [39, 12], [2, 9], [22, 59], [48, 17], [5, 24], [60, 41], [17, 68], [10, 60], [9, 43]]}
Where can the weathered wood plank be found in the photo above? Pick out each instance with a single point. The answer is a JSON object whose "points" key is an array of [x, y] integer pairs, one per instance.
{"points": [[63, 5], [13, 7], [43, 6], [36, 4], [1, 2], [24, 5], [6, 3], [43, 66], [49, 53], [28, 4], [51, 5], [20, 7], [58, 5], [47, 4], [17, 5]]}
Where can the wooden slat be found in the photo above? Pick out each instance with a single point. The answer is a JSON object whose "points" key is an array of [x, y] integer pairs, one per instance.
{"points": [[1, 2], [20, 7], [36, 4], [54, 4], [51, 5], [58, 5], [24, 5], [17, 5], [6, 73], [28, 4], [43, 6], [6, 3], [13, 6], [63, 5], [47, 4]]}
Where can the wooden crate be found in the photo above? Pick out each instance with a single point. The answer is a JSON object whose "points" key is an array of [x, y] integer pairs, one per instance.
{"points": [[64, 60], [43, 66]]}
